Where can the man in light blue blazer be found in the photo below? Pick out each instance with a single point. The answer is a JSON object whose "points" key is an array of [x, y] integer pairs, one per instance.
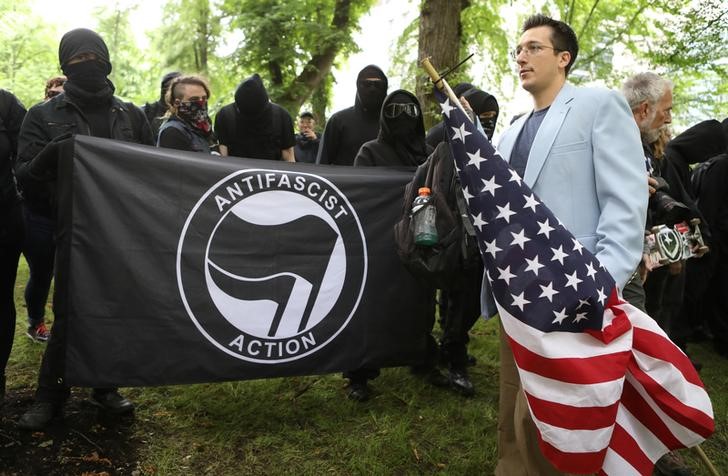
{"points": [[580, 151]]}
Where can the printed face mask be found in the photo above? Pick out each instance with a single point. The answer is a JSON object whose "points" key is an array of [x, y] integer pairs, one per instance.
{"points": [[195, 114]]}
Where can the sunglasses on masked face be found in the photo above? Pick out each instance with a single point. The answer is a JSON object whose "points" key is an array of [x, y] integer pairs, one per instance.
{"points": [[395, 109]]}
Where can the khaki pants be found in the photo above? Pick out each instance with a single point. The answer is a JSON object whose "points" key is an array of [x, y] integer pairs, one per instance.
{"points": [[518, 450]]}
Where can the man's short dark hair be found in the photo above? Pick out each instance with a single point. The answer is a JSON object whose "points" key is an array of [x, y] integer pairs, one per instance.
{"points": [[306, 114], [562, 36]]}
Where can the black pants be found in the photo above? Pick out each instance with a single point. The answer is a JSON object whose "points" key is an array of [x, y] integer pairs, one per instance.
{"points": [[52, 386], [461, 313], [706, 294], [11, 241], [39, 250]]}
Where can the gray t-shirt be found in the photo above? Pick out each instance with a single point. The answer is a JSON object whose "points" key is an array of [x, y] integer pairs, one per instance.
{"points": [[519, 156]]}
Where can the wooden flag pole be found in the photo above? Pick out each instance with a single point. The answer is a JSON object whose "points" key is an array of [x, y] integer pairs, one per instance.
{"points": [[442, 85], [706, 461]]}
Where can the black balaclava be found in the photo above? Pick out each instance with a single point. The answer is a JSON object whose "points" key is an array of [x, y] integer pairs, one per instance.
{"points": [[404, 133], [482, 102], [87, 80], [254, 108], [166, 79], [371, 94]]}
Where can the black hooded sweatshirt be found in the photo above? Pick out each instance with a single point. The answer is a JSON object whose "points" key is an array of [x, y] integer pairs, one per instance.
{"points": [[252, 126], [401, 140], [697, 144], [349, 128]]}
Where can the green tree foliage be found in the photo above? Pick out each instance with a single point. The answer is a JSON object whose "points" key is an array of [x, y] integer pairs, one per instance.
{"points": [[132, 72], [28, 52], [293, 45]]}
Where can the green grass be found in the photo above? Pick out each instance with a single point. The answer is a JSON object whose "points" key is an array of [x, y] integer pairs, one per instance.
{"points": [[305, 425]]}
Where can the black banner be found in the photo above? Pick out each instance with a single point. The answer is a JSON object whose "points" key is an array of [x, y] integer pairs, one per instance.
{"points": [[176, 267]]}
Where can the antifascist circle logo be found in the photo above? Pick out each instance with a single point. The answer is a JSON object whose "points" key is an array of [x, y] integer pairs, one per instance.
{"points": [[271, 264]]}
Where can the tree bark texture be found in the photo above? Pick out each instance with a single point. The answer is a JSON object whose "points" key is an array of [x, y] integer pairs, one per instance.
{"points": [[440, 36]]}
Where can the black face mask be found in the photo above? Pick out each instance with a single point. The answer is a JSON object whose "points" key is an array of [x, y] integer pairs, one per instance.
{"points": [[371, 94], [488, 126], [88, 75]]}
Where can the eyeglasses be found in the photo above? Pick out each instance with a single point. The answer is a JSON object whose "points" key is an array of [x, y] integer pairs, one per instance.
{"points": [[531, 49], [395, 109]]}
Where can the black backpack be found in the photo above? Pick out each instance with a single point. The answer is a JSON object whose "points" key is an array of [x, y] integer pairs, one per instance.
{"points": [[457, 249]]}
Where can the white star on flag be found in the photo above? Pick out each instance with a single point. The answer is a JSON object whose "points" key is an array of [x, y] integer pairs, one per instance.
{"points": [[478, 221], [572, 280], [544, 228], [475, 159], [520, 238], [533, 265], [560, 316], [577, 246], [601, 297], [590, 271], [515, 177], [490, 186], [531, 202], [460, 133], [446, 107], [548, 292], [580, 316], [505, 212], [506, 275], [490, 247], [520, 301], [559, 254]]}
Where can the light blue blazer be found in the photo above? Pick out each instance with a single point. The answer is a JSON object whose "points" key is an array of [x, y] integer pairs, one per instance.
{"points": [[587, 165]]}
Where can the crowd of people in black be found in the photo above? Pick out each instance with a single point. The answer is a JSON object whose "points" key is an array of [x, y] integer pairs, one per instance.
{"points": [[688, 298]]}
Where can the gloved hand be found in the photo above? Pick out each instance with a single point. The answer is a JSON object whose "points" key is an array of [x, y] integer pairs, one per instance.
{"points": [[44, 164]]}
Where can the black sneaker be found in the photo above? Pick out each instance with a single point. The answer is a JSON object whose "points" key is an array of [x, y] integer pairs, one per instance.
{"points": [[39, 415], [39, 333], [460, 381], [359, 391], [112, 402]]}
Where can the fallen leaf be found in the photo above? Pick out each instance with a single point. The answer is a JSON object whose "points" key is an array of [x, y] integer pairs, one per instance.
{"points": [[45, 444]]}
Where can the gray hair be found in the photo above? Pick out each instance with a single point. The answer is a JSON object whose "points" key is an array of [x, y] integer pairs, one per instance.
{"points": [[643, 87]]}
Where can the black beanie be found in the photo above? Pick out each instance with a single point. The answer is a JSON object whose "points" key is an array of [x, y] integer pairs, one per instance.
{"points": [[82, 40]]}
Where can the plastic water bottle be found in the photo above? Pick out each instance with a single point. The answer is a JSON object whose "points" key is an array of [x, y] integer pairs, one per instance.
{"points": [[424, 214]]}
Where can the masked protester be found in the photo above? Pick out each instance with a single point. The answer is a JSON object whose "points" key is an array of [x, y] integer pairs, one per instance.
{"points": [[11, 225], [348, 129], [399, 143], [485, 107], [157, 110], [88, 107], [401, 138], [255, 127], [188, 126]]}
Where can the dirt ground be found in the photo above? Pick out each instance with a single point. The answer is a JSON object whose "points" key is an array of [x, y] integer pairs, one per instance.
{"points": [[84, 442]]}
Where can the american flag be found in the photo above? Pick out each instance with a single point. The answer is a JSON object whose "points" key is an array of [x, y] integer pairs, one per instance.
{"points": [[608, 391]]}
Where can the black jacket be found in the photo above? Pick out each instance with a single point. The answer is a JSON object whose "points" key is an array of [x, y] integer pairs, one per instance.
{"points": [[11, 117], [55, 119]]}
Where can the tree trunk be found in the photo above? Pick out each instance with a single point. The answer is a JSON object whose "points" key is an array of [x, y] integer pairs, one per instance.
{"points": [[319, 66], [439, 39]]}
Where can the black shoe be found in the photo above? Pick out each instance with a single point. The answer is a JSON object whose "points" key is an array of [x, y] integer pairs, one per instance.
{"points": [[112, 402], [39, 415], [436, 378], [671, 464], [460, 381], [359, 391]]}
